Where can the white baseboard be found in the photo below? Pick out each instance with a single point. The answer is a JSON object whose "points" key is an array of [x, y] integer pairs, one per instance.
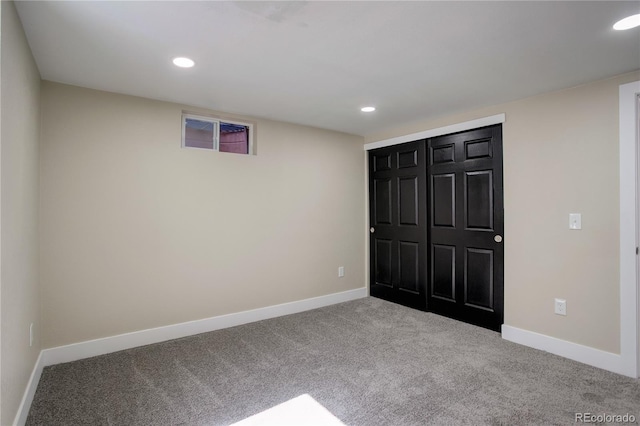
{"points": [[584, 354], [121, 342], [27, 398]]}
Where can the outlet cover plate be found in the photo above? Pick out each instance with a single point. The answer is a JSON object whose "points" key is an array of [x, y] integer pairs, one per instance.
{"points": [[560, 307]]}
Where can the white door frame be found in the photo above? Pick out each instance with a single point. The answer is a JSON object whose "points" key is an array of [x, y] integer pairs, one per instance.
{"points": [[629, 216]]}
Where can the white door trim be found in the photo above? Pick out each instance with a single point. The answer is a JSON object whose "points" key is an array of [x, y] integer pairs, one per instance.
{"points": [[439, 131], [629, 293]]}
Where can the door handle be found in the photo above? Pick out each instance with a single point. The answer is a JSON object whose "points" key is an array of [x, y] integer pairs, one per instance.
{"points": [[497, 238], [372, 230]]}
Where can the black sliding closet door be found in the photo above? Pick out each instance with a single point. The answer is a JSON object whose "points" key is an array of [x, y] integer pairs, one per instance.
{"points": [[466, 227], [398, 213], [437, 222]]}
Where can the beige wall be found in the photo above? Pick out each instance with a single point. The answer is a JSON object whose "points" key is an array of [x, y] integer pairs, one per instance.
{"points": [[560, 157], [137, 232], [19, 294]]}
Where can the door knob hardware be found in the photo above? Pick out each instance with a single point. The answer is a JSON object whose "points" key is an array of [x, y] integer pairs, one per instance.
{"points": [[497, 238], [372, 229]]}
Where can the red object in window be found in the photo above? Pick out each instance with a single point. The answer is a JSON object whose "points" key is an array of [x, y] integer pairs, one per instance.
{"points": [[236, 141]]}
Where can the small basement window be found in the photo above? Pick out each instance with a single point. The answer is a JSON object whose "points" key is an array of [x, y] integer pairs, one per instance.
{"points": [[216, 134]]}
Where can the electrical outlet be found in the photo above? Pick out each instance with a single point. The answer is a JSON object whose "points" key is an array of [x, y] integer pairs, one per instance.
{"points": [[31, 334], [560, 306], [340, 271]]}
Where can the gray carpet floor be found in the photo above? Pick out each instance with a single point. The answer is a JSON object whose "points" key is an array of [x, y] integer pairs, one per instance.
{"points": [[369, 362]]}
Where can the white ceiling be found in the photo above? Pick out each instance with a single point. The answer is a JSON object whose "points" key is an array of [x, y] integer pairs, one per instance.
{"points": [[316, 63]]}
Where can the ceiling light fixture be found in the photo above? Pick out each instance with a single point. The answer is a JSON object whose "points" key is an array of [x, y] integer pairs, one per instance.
{"points": [[627, 23], [183, 62], [368, 109]]}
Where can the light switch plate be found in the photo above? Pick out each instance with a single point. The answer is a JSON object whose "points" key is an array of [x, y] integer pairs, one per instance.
{"points": [[575, 221]]}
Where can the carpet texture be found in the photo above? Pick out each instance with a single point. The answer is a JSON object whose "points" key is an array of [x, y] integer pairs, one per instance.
{"points": [[368, 362]]}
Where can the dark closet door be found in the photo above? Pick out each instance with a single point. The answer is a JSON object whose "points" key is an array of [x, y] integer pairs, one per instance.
{"points": [[398, 212], [466, 226]]}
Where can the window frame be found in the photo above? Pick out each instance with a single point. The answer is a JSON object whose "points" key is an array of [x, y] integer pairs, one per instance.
{"points": [[216, 121]]}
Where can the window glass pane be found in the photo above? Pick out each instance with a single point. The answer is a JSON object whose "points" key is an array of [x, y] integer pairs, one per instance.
{"points": [[198, 133], [234, 138]]}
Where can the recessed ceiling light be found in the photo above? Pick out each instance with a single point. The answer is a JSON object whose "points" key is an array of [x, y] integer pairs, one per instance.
{"points": [[368, 109], [627, 23], [183, 62]]}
